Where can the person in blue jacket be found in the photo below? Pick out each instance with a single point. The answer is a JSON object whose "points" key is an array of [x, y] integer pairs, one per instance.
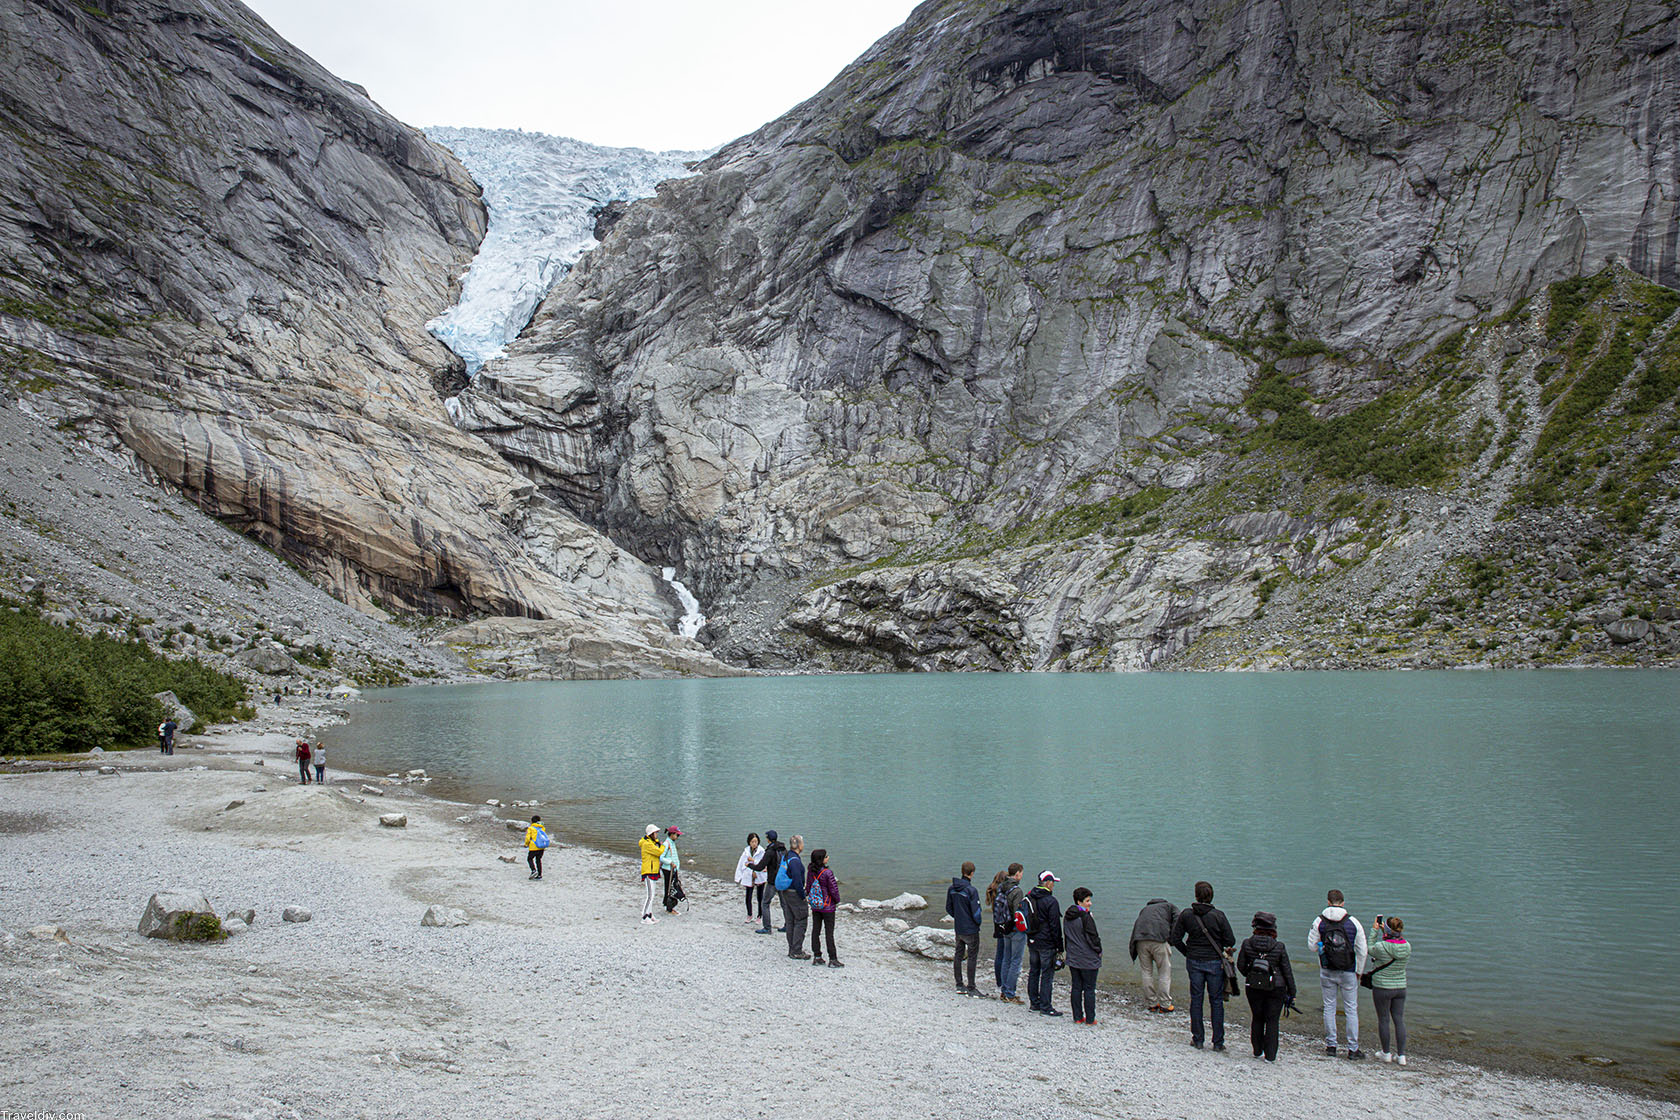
{"points": [[795, 910], [962, 902]]}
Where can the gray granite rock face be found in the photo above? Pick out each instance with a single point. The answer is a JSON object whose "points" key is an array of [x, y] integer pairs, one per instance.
{"points": [[993, 270]]}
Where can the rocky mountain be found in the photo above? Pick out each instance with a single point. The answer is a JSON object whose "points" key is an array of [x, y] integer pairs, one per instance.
{"points": [[1077, 334], [219, 263]]}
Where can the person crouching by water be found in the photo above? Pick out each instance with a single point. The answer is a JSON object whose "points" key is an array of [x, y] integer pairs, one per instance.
{"points": [[1084, 956], [536, 843], [303, 761], [319, 758], [751, 881], [1388, 959], [650, 871], [670, 866], [1269, 982], [823, 894]]}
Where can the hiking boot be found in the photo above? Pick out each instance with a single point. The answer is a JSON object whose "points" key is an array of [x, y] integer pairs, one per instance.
{"points": [[1330, 1050], [818, 962], [1167, 1009], [1016, 999], [761, 929], [1219, 1048], [1356, 1055], [971, 991], [1196, 1044], [835, 964], [799, 956]]}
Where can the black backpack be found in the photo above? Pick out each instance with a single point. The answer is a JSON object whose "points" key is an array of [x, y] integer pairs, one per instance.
{"points": [[1003, 918], [1335, 944], [1262, 973]]}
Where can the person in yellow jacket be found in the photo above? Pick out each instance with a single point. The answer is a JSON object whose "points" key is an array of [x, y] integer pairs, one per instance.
{"points": [[536, 843], [650, 871]]}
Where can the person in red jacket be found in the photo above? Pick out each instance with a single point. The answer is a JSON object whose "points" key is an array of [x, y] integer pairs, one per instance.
{"points": [[303, 755]]}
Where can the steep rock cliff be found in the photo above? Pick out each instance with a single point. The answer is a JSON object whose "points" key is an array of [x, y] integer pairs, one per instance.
{"points": [[1068, 334]]}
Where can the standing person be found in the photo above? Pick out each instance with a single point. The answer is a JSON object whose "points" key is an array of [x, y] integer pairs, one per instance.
{"points": [[1339, 940], [320, 760], [650, 871], [1044, 944], [1268, 981], [670, 867], [1388, 984], [790, 885], [962, 902], [823, 895], [769, 865], [752, 881], [1149, 947], [302, 753], [1007, 900], [1084, 956], [166, 735], [1203, 935], [536, 843]]}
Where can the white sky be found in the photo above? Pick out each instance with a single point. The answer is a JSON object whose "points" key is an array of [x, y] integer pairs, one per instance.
{"points": [[656, 74]]}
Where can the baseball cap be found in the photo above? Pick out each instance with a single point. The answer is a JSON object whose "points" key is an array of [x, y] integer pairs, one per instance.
{"points": [[673, 831], [1048, 876]]}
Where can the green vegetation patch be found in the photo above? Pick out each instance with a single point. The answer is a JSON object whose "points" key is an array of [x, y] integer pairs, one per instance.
{"points": [[64, 691]]}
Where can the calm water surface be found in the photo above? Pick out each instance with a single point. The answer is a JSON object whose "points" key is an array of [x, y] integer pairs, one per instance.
{"points": [[1525, 824]]}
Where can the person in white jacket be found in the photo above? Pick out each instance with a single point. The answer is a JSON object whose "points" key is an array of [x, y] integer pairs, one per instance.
{"points": [[1339, 940], [753, 882]]}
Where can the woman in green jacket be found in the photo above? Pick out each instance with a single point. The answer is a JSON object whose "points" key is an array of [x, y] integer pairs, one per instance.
{"points": [[1388, 984]]}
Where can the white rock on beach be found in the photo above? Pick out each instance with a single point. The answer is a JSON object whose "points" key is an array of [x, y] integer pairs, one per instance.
{"points": [[231, 926], [443, 916], [895, 925], [373, 790], [49, 933], [108, 770], [247, 915], [906, 901], [394, 820], [295, 914]]}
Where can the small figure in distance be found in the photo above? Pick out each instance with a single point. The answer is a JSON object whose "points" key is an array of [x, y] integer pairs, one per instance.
{"points": [[1339, 940], [670, 866], [650, 871], [1044, 944], [166, 735], [1268, 981], [1008, 903], [962, 902], [1389, 956], [1203, 936], [823, 894], [1084, 956], [536, 843], [795, 910], [752, 881], [319, 758], [303, 761], [1149, 947], [770, 865]]}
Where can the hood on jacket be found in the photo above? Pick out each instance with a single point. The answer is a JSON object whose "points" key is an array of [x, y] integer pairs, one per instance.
{"points": [[1333, 913], [1073, 911]]}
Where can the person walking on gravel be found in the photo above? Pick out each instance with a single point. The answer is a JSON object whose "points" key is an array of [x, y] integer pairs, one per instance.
{"points": [[790, 885], [536, 843], [1007, 900], [823, 895], [769, 865], [962, 903], [1204, 936], [650, 872], [1149, 947], [1339, 940]]}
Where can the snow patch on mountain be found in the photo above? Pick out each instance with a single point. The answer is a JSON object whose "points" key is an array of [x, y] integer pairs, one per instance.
{"points": [[543, 193]]}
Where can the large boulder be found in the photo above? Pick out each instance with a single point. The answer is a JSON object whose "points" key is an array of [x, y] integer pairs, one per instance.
{"points": [[1626, 631], [177, 915], [267, 658], [183, 716]]}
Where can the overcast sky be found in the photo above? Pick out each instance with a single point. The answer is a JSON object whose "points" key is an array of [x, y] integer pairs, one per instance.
{"points": [[645, 73]]}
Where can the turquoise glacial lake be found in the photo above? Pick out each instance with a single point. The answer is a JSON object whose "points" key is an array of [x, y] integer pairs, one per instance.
{"points": [[1526, 825]]}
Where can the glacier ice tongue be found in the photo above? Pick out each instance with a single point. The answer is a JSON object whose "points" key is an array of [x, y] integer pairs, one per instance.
{"points": [[542, 193]]}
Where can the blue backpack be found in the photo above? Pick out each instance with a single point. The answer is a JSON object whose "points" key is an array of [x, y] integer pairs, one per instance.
{"points": [[541, 839], [783, 881]]}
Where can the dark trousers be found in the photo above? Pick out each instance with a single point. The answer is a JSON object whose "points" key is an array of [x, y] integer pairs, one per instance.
{"points": [[968, 948], [823, 922], [796, 912], [1209, 975], [533, 860], [669, 904], [1266, 1009], [1041, 977], [755, 891], [320, 772], [1084, 981]]}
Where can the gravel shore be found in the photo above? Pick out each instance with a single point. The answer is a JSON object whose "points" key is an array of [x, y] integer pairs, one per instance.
{"points": [[554, 998]]}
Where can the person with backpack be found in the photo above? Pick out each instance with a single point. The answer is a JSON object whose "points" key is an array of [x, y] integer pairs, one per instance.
{"points": [[1388, 984], [1339, 940], [1203, 936], [670, 868], [962, 903], [650, 849], [769, 864], [302, 754], [1150, 935], [1084, 956], [753, 881], [1268, 981], [1009, 923], [822, 893], [1044, 944], [790, 885], [536, 843]]}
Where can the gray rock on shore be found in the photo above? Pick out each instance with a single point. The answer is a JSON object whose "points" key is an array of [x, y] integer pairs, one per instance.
{"points": [[295, 914], [443, 916], [394, 820], [178, 915]]}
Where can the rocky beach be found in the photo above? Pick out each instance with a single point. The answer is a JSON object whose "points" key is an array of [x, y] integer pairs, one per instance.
{"points": [[551, 997]]}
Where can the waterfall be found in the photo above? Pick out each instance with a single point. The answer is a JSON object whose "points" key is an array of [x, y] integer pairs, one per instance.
{"points": [[691, 621]]}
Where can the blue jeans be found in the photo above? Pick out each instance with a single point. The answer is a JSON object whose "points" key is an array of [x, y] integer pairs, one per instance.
{"points": [[1041, 977], [1010, 950], [1211, 976]]}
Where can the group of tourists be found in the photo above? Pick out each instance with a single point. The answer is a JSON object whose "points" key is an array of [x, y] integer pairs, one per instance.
{"points": [[166, 735], [307, 756], [810, 896], [661, 865]]}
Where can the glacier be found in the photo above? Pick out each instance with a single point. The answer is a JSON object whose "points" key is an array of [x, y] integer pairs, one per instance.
{"points": [[543, 193]]}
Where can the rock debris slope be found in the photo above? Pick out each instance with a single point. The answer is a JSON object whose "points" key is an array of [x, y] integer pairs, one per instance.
{"points": [[1090, 335], [219, 263]]}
